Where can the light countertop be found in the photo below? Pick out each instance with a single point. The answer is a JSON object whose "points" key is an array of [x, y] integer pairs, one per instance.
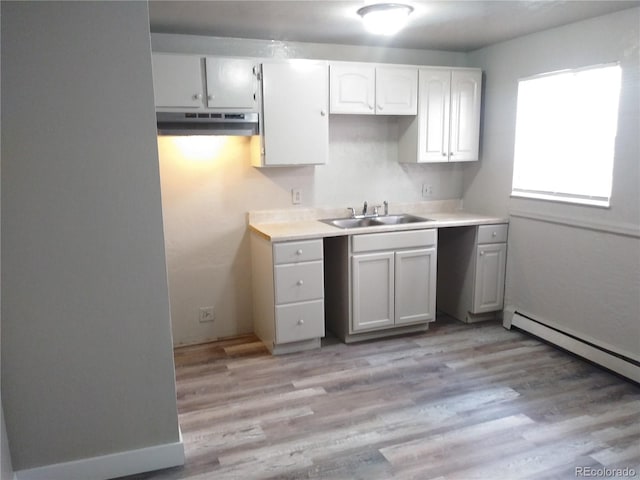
{"points": [[299, 225]]}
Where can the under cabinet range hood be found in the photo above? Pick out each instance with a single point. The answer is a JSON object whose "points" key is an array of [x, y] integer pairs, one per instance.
{"points": [[207, 123]]}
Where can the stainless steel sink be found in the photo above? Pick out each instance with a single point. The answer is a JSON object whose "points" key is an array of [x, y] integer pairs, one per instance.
{"points": [[400, 219], [352, 222], [374, 221]]}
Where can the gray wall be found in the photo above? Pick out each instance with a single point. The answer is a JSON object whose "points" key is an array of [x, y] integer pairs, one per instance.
{"points": [[205, 199], [6, 470], [87, 366], [575, 267]]}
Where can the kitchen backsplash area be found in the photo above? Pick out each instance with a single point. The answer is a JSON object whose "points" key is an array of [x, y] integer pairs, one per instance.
{"points": [[208, 186]]}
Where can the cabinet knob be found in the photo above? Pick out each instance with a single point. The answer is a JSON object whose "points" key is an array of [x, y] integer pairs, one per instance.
{"points": [[380, 107], [197, 96], [494, 234], [299, 282], [299, 251], [370, 107], [322, 113], [210, 97], [301, 322], [444, 154], [481, 253]]}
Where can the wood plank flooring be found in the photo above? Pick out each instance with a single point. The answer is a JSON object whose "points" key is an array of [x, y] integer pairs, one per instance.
{"points": [[457, 402]]}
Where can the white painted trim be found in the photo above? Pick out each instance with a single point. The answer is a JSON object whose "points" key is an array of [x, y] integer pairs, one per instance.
{"points": [[626, 229], [110, 466], [573, 345]]}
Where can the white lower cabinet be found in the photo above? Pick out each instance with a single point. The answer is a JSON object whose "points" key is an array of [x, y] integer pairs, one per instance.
{"points": [[471, 276], [380, 284], [288, 293]]}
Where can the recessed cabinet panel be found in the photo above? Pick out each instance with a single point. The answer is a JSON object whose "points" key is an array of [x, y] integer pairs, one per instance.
{"points": [[415, 286], [465, 115], [353, 88], [434, 115], [489, 282], [396, 91], [231, 83], [177, 81], [373, 291]]}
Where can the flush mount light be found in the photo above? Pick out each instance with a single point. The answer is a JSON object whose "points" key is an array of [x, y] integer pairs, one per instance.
{"points": [[385, 18]]}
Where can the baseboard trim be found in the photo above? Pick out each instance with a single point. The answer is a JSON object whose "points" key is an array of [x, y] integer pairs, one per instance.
{"points": [[590, 352], [110, 466]]}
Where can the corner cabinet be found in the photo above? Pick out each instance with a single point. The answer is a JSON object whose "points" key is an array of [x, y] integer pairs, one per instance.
{"points": [[447, 127], [367, 89], [472, 271], [204, 83], [295, 122], [380, 284], [288, 294]]}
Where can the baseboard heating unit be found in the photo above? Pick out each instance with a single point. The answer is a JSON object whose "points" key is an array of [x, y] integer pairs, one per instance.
{"points": [[620, 364]]}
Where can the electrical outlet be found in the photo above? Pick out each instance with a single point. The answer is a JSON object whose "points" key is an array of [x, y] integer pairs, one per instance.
{"points": [[427, 190], [206, 314], [296, 196]]}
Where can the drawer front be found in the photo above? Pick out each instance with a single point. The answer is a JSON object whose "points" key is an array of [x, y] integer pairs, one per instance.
{"points": [[293, 252], [299, 321], [299, 282], [394, 240], [492, 233]]}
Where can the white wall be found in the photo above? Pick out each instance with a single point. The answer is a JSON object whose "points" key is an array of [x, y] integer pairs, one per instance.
{"points": [[575, 267], [87, 364], [206, 197]]}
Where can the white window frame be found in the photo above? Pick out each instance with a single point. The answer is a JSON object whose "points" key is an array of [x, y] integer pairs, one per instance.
{"points": [[526, 151]]}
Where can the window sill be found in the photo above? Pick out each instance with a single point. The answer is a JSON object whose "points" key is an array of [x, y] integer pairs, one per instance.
{"points": [[590, 202]]}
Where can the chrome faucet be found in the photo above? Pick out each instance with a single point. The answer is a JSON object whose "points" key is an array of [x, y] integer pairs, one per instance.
{"points": [[386, 207], [364, 208]]}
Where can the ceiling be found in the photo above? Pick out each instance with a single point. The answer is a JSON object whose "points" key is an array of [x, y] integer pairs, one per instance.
{"points": [[455, 25]]}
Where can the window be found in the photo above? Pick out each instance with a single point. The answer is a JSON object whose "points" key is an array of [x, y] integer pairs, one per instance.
{"points": [[566, 126]]}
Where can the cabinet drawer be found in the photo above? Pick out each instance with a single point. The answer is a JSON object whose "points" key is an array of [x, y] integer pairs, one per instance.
{"points": [[394, 240], [293, 252], [299, 321], [492, 233], [299, 282]]}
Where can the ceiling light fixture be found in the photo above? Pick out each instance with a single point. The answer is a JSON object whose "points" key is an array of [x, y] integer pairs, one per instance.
{"points": [[385, 18]]}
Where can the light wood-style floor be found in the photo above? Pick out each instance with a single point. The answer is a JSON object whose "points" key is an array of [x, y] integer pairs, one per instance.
{"points": [[457, 402]]}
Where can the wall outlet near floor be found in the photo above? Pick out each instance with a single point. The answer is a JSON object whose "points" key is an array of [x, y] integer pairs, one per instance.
{"points": [[296, 196], [427, 190], [206, 314]]}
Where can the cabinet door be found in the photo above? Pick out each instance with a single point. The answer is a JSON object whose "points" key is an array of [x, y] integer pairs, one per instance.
{"points": [[434, 103], [488, 293], [465, 115], [295, 124], [372, 291], [177, 81], [231, 83], [415, 295], [353, 88], [396, 91]]}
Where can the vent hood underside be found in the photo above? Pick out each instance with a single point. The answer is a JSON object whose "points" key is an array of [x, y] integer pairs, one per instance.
{"points": [[197, 123]]}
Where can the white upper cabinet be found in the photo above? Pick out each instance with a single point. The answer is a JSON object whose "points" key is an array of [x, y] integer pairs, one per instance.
{"points": [[177, 81], [295, 120], [361, 88], [231, 83], [353, 88], [465, 115], [199, 83], [447, 128], [396, 90]]}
